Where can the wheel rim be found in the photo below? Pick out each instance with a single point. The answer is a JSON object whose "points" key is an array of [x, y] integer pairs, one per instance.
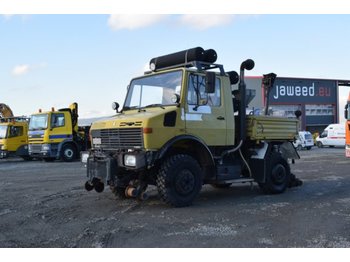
{"points": [[185, 182], [278, 174], [69, 153]]}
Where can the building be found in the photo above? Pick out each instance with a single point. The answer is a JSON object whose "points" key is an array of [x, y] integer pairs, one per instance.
{"points": [[317, 99]]}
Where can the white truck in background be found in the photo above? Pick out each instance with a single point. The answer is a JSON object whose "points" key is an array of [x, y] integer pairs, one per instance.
{"points": [[333, 135], [303, 140]]}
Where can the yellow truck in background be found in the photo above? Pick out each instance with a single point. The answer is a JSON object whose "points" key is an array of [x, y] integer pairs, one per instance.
{"points": [[13, 137], [178, 130], [13, 134], [56, 135]]}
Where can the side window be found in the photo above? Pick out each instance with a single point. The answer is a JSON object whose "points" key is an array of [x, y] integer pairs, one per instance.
{"points": [[196, 90], [16, 131], [197, 95], [214, 99], [57, 120]]}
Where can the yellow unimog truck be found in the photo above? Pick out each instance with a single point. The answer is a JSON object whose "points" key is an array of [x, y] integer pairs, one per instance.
{"points": [[178, 130], [56, 135], [13, 137]]}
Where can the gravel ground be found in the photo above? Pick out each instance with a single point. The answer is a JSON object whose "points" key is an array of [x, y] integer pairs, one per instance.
{"points": [[46, 205]]}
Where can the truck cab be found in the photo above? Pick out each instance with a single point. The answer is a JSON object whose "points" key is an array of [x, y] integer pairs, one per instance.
{"points": [[13, 137], [55, 135], [177, 130]]}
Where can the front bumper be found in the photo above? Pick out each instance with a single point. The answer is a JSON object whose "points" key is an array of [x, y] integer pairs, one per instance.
{"points": [[43, 150]]}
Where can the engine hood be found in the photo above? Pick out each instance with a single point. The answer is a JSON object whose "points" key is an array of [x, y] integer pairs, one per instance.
{"points": [[133, 118]]}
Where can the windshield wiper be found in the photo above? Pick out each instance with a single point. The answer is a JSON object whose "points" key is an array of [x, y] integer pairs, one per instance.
{"points": [[154, 105], [129, 107]]}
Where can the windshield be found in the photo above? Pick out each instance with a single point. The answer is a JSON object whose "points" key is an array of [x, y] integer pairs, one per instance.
{"points": [[308, 136], [154, 90], [3, 131], [38, 122]]}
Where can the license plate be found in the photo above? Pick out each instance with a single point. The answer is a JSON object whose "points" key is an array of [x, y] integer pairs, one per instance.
{"points": [[96, 141], [84, 157]]}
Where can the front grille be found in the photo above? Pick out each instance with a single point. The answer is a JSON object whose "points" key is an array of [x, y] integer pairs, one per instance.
{"points": [[35, 148], [119, 138]]}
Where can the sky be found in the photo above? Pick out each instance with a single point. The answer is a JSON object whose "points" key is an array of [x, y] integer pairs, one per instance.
{"points": [[52, 60]]}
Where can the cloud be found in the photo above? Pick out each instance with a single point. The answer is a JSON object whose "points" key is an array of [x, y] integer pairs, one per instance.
{"points": [[133, 21], [203, 22], [7, 17], [19, 70]]}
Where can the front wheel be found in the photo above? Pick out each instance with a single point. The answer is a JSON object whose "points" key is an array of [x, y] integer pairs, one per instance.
{"points": [[68, 153], [277, 174], [319, 144], [179, 180]]}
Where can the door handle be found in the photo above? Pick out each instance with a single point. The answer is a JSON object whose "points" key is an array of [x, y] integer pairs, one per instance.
{"points": [[220, 118]]}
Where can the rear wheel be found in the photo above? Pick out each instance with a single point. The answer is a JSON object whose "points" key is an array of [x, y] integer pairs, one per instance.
{"points": [[277, 174], [179, 180], [68, 153]]}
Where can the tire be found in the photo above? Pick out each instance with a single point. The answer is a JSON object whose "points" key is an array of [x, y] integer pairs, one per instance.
{"points": [[179, 180], [277, 174], [68, 153], [319, 144], [299, 147]]}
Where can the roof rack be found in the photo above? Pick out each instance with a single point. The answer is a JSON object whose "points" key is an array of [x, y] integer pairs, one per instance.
{"points": [[200, 65]]}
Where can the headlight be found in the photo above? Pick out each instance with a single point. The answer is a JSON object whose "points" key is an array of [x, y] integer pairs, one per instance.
{"points": [[45, 147], [130, 160]]}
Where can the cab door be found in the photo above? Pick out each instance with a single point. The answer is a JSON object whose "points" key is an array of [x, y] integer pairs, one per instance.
{"points": [[205, 113], [16, 137], [60, 127]]}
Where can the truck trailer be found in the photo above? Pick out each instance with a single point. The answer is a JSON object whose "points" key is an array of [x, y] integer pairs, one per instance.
{"points": [[177, 130]]}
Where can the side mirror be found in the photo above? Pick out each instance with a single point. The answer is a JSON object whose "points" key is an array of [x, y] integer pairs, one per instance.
{"points": [[115, 106], [175, 98], [210, 78]]}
